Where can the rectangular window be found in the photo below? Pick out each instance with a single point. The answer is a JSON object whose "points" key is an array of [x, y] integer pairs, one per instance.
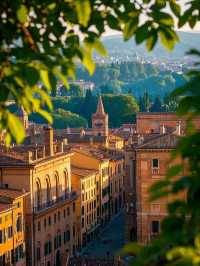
{"points": [[1, 237], [68, 211], [68, 235], [45, 222], [73, 230], [155, 227], [10, 231], [39, 227], [82, 222], [65, 238], [59, 240], [155, 163], [49, 220], [74, 206], [38, 253], [46, 249], [55, 242]]}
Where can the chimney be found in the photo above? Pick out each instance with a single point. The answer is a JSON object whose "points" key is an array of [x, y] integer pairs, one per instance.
{"points": [[140, 139], [82, 132], [178, 128], [162, 129], [32, 133], [91, 141], [48, 140]]}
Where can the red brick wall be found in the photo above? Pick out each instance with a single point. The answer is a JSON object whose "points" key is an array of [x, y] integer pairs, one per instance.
{"points": [[151, 122], [149, 211]]}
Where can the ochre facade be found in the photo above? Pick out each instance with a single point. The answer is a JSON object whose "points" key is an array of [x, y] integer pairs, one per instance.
{"points": [[12, 227]]}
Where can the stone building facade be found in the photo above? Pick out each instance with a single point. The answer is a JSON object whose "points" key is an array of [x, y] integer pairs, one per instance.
{"points": [[12, 227], [45, 172], [148, 123], [146, 163], [85, 183]]}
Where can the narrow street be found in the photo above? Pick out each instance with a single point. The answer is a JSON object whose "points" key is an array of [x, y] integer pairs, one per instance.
{"points": [[110, 241]]}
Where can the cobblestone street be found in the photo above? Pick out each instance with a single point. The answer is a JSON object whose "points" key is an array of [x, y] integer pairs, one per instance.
{"points": [[110, 241]]}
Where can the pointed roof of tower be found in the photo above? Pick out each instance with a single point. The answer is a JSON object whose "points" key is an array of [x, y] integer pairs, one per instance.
{"points": [[100, 107]]}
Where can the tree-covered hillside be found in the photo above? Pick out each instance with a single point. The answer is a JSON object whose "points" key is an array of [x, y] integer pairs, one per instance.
{"points": [[132, 77], [189, 40], [120, 108]]}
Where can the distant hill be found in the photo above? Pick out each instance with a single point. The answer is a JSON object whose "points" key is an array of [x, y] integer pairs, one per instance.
{"points": [[115, 44]]}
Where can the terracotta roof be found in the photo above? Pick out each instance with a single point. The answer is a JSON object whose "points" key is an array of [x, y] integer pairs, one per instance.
{"points": [[8, 194], [165, 141], [76, 137], [83, 172], [5, 206], [91, 151], [8, 159], [156, 113], [98, 153]]}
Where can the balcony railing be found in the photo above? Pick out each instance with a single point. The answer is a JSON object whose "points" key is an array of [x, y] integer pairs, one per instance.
{"points": [[155, 171], [66, 197]]}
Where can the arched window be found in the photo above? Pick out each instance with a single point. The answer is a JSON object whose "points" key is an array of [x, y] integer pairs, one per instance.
{"points": [[48, 191], [56, 186], [38, 195], [67, 184]]}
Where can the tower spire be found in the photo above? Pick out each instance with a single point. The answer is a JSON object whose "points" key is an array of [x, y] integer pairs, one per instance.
{"points": [[100, 107]]}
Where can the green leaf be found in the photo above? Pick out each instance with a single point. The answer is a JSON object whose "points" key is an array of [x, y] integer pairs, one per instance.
{"points": [[131, 248], [22, 13], [174, 170], [129, 28], [16, 128], [83, 9], [192, 21], [46, 115], [151, 41], [88, 62], [98, 45], [142, 33], [31, 75], [45, 79], [4, 92], [175, 7], [168, 37], [184, 18], [163, 18], [113, 22]]}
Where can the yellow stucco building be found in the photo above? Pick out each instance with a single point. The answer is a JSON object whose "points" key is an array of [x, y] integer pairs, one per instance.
{"points": [[110, 166], [86, 183], [44, 171], [12, 227]]}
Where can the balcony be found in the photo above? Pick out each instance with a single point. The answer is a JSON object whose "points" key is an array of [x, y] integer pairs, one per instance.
{"points": [[53, 203], [155, 171]]}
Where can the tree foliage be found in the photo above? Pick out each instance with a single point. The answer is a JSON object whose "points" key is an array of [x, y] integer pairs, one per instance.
{"points": [[41, 41], [121, 108]]}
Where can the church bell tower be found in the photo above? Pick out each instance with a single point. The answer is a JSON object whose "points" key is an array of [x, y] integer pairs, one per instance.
{"points": [[100, 120]]}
